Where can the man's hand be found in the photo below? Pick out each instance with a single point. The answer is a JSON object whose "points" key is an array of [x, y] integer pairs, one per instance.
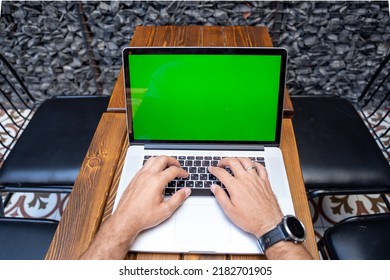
{"points": [[142, 205], [252, 204]]}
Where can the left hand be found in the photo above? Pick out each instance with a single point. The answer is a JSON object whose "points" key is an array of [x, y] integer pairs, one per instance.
{"points": [[142, 205]]}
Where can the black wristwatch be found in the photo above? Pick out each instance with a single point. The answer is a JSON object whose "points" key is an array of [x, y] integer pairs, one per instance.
{"points": [[289, 229]]}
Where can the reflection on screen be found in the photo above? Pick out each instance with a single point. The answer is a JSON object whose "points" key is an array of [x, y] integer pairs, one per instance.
{"points": [[204, 97]]}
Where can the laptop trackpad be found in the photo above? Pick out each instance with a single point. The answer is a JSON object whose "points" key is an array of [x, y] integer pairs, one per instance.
{"points": [[202, 223]]}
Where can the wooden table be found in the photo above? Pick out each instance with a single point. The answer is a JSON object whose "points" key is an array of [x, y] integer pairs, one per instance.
{"points": [[93, 195]]}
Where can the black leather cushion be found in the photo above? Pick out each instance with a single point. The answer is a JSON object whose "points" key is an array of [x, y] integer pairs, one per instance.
{"points": [[359, 238], [25, 239], [53, 146], [336, 150]]}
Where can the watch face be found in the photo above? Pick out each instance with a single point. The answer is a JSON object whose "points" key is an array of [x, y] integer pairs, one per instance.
{"points": [[295, 227]]}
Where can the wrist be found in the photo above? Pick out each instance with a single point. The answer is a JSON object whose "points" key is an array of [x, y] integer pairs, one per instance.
{"points": [[122, 231], [265, 227], [289, 229]]}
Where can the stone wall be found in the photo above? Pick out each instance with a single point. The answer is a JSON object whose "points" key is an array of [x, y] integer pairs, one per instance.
{"points": [[75, 47]]}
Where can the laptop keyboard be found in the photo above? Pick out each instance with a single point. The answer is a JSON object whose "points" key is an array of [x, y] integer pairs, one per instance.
{"points": [[199, 179]]}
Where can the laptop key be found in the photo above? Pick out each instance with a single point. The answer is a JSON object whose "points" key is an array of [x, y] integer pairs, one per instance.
{"points": [[172, 184], [227, 168], [169, 191], [192, 170], [217, 183], [201, 192], [180, 184], [190, 184], [198, 184]]}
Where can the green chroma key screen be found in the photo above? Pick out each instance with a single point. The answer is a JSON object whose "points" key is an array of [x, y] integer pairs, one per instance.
{"points": [[204, 97]]}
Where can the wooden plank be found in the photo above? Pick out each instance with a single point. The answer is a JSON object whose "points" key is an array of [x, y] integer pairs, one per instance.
{"points": [[204, 257], [288, 106], [258, 36], [236, 36], [164, 36], [248, 257], [158, 256], [83, 213], [189, 36], [143, 36], [177, 36], [213, 36], [115, 182], [117, 101], [297, 187]]}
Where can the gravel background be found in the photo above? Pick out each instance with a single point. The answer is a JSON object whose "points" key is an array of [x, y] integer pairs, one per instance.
{"points": [[73, 48]]}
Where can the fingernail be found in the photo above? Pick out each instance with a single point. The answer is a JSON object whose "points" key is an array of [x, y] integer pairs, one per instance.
{"points": [[212, 188], [187, 191]]}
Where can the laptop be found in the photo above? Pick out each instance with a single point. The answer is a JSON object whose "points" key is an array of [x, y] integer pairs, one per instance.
{"points": [[200, 105]]}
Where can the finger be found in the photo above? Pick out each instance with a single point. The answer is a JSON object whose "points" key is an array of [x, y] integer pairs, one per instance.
{"points": [[172, 172], [175, 201], [247, 163], [233, 163], [222, 198], [156, 164], [222, 175], [261, 170]]}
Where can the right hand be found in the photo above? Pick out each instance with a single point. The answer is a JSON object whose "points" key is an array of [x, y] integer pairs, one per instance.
{"points": [[252, 204]]}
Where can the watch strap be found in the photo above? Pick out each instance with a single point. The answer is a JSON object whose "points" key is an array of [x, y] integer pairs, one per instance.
{"points": [[271, 237]]}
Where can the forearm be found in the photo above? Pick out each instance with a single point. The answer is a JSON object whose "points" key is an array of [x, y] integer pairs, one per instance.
{"points": [[110, 243], [285, 250]]}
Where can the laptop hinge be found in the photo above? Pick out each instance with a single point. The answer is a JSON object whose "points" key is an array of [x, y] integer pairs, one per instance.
{"points": [[226, 147]]}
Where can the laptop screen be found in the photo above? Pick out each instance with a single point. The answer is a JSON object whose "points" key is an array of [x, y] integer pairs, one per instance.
{"points": [[205, 95]]}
